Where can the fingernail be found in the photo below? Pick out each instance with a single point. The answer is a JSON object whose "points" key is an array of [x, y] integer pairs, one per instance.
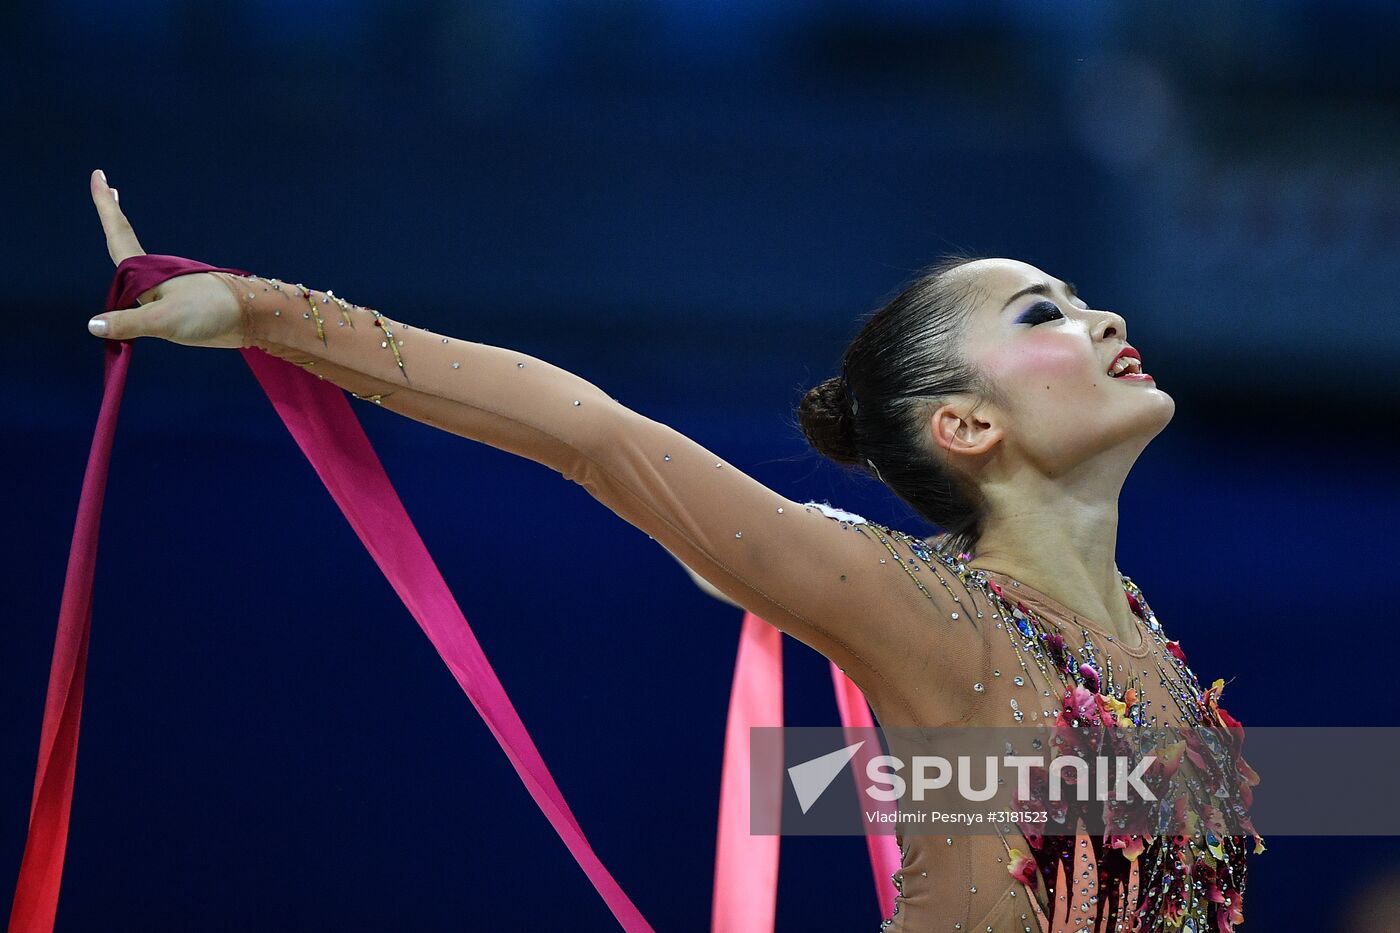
{"points": [[98, 327], [102, 175], [115, 195]]}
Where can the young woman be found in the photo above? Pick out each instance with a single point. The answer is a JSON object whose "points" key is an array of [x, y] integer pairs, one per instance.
{"points": [[988, 396]]}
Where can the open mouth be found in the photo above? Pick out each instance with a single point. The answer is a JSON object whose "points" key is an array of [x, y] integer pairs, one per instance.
{"points": [[1128, 366], [1125, 366]]}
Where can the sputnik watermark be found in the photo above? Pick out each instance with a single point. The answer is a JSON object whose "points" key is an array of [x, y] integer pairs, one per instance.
{"points": [[1127, 781], [810, 779]]}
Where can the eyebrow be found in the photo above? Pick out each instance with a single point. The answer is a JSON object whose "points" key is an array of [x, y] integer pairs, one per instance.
{"points": [[1040, 288]]}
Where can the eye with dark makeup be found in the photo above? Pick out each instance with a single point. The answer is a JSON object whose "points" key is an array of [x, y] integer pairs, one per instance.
{"points": [[1040, 312]]}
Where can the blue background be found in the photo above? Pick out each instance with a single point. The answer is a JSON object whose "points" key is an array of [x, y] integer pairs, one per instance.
{"points": [[689, 204]]}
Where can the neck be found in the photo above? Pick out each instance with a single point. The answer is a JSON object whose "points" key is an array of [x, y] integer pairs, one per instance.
{"points": [[1060, 536]]}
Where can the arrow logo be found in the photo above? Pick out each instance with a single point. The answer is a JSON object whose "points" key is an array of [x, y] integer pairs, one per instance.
{"points": [[810, 779]]}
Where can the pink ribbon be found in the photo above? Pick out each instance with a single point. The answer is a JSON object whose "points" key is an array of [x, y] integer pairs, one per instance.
{"points": [[319, 417], [746, 865], [858, 722], [41, 870]]}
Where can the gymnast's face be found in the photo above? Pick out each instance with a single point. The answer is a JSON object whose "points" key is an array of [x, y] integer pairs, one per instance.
{"points": [[1048, 356]]}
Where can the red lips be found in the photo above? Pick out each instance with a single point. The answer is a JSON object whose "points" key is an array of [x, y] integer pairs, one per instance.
{"points": [[1126, 351], [1131, 353]]}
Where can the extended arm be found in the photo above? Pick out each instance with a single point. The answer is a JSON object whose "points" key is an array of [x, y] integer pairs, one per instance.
{"points": [[826, 582], [865, 596]]}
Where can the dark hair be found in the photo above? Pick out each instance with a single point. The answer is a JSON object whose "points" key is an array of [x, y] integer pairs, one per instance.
{"points": [[905, 361]]}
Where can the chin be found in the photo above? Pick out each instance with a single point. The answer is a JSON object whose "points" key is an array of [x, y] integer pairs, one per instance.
{"points": [[1137, 421], [1158, 408], [1165, 401]]}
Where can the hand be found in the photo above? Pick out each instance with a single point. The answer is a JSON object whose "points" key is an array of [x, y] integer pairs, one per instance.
{"points": [[196, 309]]}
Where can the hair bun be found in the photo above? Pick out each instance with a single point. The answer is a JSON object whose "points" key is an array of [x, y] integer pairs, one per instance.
{"points": [[828, 422]]}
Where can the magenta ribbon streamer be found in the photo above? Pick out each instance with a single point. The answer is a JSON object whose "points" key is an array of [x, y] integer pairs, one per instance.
{"points": [[41, 870], [320, 419], [859, 723], [746, 866]]}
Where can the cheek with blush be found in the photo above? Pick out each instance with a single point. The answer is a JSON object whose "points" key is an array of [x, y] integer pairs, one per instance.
{"points": [[1036, 365]]}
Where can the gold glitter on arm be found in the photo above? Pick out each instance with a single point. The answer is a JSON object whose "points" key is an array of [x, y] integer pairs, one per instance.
{"points": [[266, 301], [379, 321], [315, 312], [388, 341]]}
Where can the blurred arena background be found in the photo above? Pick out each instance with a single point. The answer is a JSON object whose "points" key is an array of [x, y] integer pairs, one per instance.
{"points": [[690, 204]]}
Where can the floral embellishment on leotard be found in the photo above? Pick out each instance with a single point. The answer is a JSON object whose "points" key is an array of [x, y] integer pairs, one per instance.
{"points": [[1081, 708], [1246, 777], [1022, 867], [1190, 879], [1090, 675]]}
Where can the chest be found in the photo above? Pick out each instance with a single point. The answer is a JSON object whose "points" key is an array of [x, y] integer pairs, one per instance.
{"points": [[1040, 660]]}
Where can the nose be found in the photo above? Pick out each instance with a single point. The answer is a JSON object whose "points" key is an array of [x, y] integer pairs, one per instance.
{"points": [[1110, 324]]}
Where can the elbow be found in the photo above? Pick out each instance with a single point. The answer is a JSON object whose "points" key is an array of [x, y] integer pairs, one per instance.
{"points": [[605, 451]]}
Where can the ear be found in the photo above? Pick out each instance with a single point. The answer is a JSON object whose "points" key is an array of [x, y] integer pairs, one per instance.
{"points": [[959, 429]]}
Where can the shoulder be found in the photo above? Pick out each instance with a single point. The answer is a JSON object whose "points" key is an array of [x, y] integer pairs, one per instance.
{"points": [[934, 634], [929, 547], [925, 551]]}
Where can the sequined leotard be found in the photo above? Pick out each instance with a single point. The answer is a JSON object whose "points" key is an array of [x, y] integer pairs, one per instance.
{"points": [[931, 639]]}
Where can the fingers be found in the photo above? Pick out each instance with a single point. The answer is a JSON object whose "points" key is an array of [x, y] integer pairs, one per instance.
{"points": [[121, 239], [145, 321]]}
